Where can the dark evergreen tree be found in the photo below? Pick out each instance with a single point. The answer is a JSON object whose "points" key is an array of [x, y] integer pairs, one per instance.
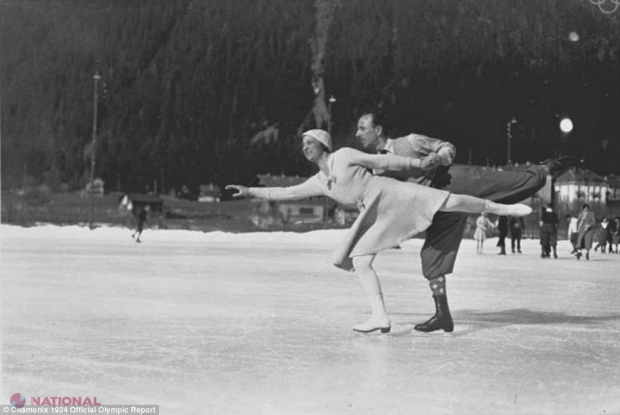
{"points": [[198, 91]]}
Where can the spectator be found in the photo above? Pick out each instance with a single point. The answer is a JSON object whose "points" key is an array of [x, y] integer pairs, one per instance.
{"points": [[548, 232], [615, 235], [502, 227], [517, 227], [586, 222], [573, 231], [603, 234], [482, 225]]}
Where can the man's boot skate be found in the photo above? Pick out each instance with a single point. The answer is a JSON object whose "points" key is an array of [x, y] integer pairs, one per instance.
{"points": [[442, 320]]}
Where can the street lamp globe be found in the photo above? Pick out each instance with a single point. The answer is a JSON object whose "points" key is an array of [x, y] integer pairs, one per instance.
{"points": [[573, 37], [566, 125]]}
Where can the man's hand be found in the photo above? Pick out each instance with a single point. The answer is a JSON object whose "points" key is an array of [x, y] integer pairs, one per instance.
{"points": [[446, 155], [430, 162], [241, 190]]}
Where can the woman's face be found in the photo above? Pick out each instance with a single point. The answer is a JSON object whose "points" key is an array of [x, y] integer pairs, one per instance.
{"points": [[312, 148]]}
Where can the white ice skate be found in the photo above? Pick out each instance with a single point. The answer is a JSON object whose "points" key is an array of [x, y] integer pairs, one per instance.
{"points": [[518, 209]]}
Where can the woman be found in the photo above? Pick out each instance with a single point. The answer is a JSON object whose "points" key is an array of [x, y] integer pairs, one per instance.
{"points": [[603, 235], [573, 231], [390, 211], [482, 225], [585, 224]]}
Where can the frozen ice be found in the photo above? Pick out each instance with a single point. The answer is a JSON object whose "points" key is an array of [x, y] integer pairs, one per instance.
{"points": [[260, 323]]}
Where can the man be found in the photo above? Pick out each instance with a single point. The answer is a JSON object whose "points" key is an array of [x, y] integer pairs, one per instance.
{"points": [[615, 235], [517, 226], [502, 227], [140, 221], [443, 237], [548, 232]]}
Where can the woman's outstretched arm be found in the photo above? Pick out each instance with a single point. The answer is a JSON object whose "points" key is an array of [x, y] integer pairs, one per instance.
{"points": [[306, 189]]}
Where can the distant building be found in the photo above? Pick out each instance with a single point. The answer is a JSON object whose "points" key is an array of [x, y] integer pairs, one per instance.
{"points": [[578, 186], [187, 194], [613, 192], [209, 193], [97, 188], [309, 210]]}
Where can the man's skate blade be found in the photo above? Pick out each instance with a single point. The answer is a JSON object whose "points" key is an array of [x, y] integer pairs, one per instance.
{"points": [[436, 333]]}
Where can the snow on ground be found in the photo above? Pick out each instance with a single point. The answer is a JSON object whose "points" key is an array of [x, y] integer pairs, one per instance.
{"points": [[216, 323]]}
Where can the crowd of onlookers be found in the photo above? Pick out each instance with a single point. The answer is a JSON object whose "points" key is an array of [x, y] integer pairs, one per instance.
{"points": [[584, 232]]}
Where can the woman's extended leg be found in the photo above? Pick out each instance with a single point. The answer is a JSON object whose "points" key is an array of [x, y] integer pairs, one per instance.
{"points": [[471, 204], [372, 288]]}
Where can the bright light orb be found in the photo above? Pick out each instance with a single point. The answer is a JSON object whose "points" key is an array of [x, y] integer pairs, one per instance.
{"points": [[573, 36], [566, 125]]}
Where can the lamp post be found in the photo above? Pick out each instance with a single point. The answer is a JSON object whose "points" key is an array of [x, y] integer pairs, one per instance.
{"points": [[509, 137], [329, 116], [566, 127], [330, 101], [96, 78]]}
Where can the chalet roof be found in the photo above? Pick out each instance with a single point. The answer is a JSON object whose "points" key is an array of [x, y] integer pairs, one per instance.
{"points": [[580, 176], [210, 189], [268, 180]]}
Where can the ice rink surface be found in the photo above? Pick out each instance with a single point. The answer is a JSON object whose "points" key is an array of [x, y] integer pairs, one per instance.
{"points": [[215, 323]]}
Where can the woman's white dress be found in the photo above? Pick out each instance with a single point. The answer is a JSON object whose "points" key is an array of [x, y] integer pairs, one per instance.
{"points": [[391, 211]]}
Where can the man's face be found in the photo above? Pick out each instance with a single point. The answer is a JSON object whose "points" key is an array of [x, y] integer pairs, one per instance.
{"points": [[367, 132]]}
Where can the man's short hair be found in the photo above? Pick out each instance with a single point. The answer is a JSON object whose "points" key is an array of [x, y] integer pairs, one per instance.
{"points": [[379, 118]]}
